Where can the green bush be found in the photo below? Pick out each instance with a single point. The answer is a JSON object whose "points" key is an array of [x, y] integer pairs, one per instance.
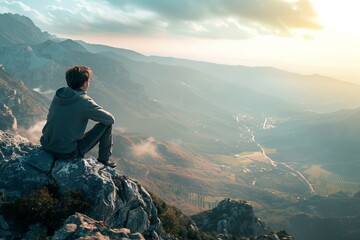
{"points": [[47, 207]]}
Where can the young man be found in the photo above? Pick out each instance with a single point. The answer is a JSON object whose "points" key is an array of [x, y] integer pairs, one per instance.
{"points": [[69, 113]]}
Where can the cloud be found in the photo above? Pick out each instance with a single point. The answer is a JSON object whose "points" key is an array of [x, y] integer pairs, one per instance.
{"points": [[34, 132], [230, 19], [146, 148], [278, 17], [24, 9]]}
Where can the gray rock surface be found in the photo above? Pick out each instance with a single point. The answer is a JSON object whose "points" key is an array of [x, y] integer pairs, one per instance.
{"points": [[118, 201], [79, 226], [7, 118], [14, 146]]}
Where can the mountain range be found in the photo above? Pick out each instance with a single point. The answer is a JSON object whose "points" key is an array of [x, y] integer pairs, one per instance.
{"points": [[196, 132]]}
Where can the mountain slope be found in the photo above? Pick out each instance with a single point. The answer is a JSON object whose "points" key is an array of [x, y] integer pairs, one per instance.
{"points": [[25, 107], [16, 29]]}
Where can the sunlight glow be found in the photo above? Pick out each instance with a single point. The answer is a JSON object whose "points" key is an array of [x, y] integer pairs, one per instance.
{"points": [[340, 15]]}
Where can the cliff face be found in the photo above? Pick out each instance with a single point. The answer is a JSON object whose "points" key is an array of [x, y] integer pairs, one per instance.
{"points": [[119, 202], [19, 105]]}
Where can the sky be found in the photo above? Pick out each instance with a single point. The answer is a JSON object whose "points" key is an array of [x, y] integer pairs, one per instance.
{"points": [[302, 36]]}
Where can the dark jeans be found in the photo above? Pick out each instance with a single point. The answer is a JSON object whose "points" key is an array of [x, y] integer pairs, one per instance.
{"points": [[101, 134]]}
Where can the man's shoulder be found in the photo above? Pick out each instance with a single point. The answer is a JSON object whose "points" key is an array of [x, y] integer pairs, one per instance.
{"points": [[88, 100], [84, 96]]}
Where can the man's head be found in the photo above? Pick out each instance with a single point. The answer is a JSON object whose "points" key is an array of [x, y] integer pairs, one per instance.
{"points": [[78, 76]]}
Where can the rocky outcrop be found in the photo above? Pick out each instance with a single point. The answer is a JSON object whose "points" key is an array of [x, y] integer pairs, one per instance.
{"points": [[116, 200], [79, 226], [14, 146], [236, 219], [231, 217], [7, 118]]}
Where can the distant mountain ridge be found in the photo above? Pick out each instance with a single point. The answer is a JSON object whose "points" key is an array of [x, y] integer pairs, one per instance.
{"points": [[311, 92], [17, 29]]}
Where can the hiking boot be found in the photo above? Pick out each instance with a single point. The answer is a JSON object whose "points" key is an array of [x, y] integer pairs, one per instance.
{"points": [[110, 163]]}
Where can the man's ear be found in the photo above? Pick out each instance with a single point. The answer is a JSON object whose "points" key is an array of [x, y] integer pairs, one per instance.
{"points": [[85, 85]]}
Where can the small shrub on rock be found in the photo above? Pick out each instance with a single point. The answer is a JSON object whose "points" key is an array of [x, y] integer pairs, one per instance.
{"points": [[47, 207]]}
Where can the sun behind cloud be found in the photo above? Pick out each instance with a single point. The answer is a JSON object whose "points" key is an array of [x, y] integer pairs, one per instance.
{"points": [[340, 15]]}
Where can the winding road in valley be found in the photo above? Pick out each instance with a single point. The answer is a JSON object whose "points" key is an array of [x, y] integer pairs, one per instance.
{"points": [[296, 172], [275, 164]]}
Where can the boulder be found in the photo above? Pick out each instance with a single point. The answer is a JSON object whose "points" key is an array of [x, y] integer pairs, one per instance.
{"points": [[79, 226], [14, 146], [17, 178], [117, 200]]}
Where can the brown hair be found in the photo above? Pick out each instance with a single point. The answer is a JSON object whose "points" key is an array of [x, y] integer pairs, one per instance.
{"points": [[76, 76]]}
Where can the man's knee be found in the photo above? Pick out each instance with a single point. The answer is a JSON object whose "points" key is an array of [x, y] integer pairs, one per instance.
{"points": [[108, 129]]}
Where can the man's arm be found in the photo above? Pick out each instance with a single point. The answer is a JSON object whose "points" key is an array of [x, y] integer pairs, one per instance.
{"points": [[98, 114]]}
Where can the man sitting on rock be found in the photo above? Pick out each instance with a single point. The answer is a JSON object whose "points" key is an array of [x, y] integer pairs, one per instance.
{"points": [[69, 113]]}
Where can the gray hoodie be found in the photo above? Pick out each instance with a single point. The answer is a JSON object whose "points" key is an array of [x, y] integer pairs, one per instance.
{"points": [[68, 116]]}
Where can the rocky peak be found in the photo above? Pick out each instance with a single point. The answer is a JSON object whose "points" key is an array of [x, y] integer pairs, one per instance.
{"points": [[234, 218], [116, 201], [231, 217], [19, 30], [73, 45]]}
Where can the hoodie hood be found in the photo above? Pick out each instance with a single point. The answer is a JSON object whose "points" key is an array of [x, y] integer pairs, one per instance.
{"points": [[67, 95]]}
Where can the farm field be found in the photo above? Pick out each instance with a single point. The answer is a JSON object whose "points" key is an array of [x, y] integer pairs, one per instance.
{"points": [[326, 183]]}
